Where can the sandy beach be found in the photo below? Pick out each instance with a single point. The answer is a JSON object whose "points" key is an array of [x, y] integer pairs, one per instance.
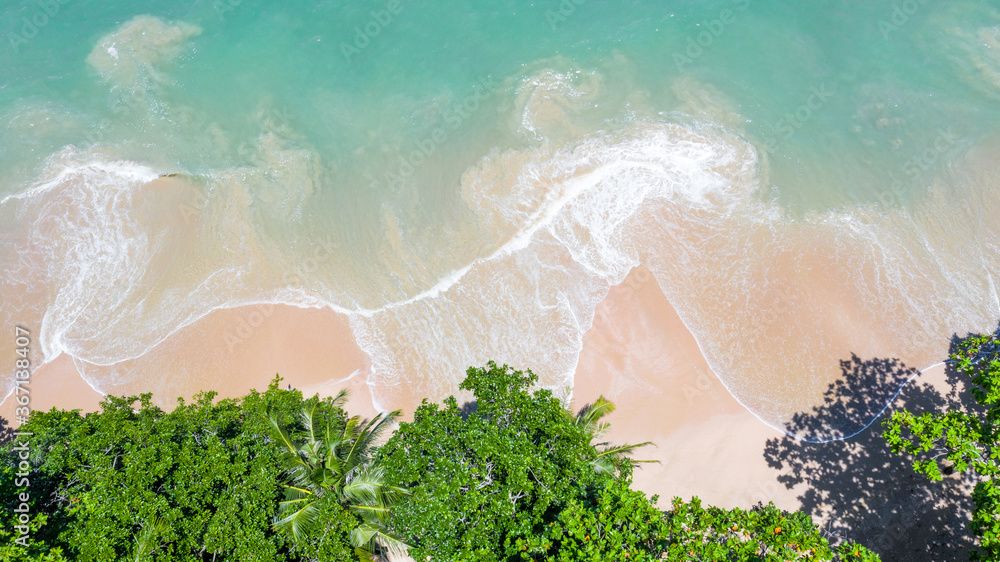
{"points": [[638, 354], [230, 351]]}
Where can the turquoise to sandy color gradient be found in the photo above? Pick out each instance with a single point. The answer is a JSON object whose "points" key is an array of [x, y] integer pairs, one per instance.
{"points": [[803, 179]]}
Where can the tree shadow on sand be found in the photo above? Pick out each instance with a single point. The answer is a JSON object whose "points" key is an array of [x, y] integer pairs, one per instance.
{"points": [[6, 431], [854, 487]]}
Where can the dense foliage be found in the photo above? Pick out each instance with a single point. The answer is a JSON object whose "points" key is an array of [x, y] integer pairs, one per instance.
{"points": [[764, 533], [481, 481], [201, 482], [966, 439], [618, 524], [329, 466], [513, 476]]}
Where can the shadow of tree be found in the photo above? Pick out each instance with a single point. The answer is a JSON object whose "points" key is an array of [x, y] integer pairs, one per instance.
{"points": [[469, 408], [855, 487], [6, 431]]}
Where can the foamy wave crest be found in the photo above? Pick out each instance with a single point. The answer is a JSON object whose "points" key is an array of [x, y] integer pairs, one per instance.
{"points": [[565, 216], [782, 307], [114, 260], [53, 260]]}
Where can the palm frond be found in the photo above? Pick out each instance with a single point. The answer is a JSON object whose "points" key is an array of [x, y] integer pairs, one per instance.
{"points": [[282, 435], [365, 485], [589, 418], [340, 399], [300, 520], [625, 450], [145, 541], [335, 462], [366, 536], [382, 423], [307, 415], [296, 492]]}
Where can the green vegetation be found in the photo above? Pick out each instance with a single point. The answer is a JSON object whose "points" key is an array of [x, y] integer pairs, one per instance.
{"points": [[329, 466], [611, 459], [479, 483], [133, 482], [273, 476], [964, 440], [761, 533]]}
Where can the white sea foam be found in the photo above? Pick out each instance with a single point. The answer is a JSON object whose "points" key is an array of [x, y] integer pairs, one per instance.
{"points": [[772, 301]]}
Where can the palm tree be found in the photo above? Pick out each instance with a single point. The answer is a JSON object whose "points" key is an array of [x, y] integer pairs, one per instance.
{"points": [[333, 461], [611, 459], [146, 541]]}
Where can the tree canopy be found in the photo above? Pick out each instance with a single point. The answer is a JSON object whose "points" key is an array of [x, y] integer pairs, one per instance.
{"points": [[512, 476], [963, 439], [135, 482], [480, 481]]}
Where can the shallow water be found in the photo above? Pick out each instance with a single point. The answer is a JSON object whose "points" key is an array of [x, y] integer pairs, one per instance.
{"points": [[467, 180]]}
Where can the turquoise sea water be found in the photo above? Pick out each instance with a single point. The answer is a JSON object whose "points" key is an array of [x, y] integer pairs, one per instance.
{"points": [[803, 180]]}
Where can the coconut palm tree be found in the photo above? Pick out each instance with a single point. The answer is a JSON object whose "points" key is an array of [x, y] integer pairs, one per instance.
{"points": [[147, 539], [611, 459], [332, 461]]}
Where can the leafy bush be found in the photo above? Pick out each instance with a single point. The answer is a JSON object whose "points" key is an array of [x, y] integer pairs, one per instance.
{"points": [[135, 482], [618, 524], [479, 483], [764, 533], [967, 439]]}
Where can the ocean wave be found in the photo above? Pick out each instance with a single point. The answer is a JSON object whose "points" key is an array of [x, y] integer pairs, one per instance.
{"points": [[114, 259]]}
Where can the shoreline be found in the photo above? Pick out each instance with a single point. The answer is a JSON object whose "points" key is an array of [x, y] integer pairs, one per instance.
{"points": [[638, 353]]}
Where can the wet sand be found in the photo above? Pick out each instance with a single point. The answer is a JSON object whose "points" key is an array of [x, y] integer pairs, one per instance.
{"points": [[57, 384], [229, 351], [638, 354]]}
